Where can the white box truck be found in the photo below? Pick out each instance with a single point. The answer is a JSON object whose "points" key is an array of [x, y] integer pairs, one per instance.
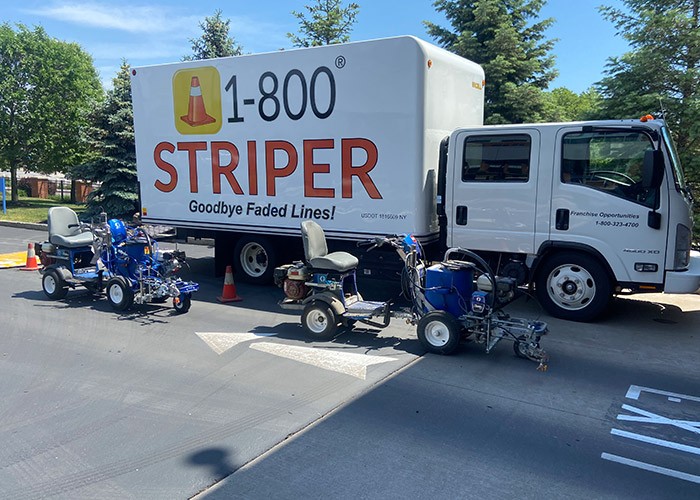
{"points": [[386, 136]]}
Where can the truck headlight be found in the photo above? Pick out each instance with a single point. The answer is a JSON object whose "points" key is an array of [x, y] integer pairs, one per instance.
{"points": [[681, 257]]}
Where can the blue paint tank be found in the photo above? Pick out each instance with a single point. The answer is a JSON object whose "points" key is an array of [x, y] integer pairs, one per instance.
{"points": [[449, 288]]}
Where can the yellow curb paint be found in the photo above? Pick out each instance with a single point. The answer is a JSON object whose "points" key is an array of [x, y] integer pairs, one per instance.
{"points": [[15, 259]]}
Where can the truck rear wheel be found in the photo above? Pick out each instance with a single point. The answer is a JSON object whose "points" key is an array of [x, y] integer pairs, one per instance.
{"points": [[254, 260], [573, 286]]}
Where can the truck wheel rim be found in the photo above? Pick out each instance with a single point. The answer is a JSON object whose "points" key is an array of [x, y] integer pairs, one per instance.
{"points": [[571, 287], [116, 294], [254, 260], [317, 322], [437, 333], [49, 284]]}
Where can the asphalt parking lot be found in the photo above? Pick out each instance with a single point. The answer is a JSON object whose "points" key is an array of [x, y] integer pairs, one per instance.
{"points": [[231, 401]]}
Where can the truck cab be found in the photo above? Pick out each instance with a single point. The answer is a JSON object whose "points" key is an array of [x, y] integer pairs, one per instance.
{"points": [[581, 210]]}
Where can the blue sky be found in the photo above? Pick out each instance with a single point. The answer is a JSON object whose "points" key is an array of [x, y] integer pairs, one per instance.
{"points": [[158, 31]]}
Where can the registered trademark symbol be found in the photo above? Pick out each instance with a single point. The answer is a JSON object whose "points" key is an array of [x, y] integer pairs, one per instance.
{"points": [[340, 62]]}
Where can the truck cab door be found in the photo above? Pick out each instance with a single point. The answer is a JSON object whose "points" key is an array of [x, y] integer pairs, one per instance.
{"points": [[600, 200], [493, 186]]}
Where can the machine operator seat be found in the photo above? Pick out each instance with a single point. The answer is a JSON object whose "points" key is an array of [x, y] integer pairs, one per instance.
{"points": [[316, 250], [64, 229]]}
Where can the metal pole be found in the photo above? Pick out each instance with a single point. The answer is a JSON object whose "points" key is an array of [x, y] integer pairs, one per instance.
{"points": [[4, 195]]}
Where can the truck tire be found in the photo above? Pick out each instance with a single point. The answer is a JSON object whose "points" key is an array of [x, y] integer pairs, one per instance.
{"points": [[439, 332], [119, 294], [54, 285], [573, 286], [319, 321], [254, 260]]}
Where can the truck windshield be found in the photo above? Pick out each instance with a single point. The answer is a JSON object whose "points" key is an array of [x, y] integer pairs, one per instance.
{"points": [[675, 160]]}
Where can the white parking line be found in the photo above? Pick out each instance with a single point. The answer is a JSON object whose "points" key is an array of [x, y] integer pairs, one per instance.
{"points": [[220, 342], [651, 468], [342, 362], [653, 418], [659, 442], [635, 390]]}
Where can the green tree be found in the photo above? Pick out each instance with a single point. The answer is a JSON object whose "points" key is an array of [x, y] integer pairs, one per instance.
{"points": [[215, 40], [661, 72], [503, 38], [112, 137], [326, 22], [564, 105], [47, 89]]}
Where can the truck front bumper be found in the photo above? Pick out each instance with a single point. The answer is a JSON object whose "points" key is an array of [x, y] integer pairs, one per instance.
{"points": [[685, 281]]}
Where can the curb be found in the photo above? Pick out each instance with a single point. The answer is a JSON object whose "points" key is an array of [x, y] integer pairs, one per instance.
{"points": [[24, 225]]}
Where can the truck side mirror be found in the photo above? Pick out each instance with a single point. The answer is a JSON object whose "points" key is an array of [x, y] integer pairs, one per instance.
{"points": [[652, 169]]}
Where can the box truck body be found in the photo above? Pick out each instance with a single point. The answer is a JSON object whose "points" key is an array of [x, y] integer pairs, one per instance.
{"points": [[346, 135], [386, 136]]}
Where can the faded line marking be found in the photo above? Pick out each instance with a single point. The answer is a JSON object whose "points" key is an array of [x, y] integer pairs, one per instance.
{"points": [[220, 342], [635, 390], [348, 363], [651, 468], [658, 442]]}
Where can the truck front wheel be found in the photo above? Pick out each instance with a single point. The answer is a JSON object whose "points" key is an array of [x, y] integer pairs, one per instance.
{"points": [[573, 286], [254, 260]]}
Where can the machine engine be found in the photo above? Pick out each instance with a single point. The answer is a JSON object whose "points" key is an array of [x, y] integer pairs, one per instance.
{"points": [[292, 279]]}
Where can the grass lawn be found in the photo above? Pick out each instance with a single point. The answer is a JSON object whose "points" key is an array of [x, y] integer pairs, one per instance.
{"points": [[35, 209]]}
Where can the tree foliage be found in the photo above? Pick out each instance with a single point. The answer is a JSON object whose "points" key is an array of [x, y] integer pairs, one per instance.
{"points": [[112, 137], [564, 105], [503, 38], [661, 72], [326, 22], [47, 88], [215, 40]]}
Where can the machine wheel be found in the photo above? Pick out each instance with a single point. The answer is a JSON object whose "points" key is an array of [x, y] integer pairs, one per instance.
{"points": [[182, 303], [519, 347], [254, 260], [573, 286], [439, 332], [54, 285], [319, 321], [119, 294]]}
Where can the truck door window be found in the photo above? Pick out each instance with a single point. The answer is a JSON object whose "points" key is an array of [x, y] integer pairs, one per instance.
{"points": [[608, 161], [496, 158]]}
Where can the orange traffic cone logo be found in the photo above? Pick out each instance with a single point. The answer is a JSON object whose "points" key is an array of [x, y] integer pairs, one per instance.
{"points": [[197, 101], [229, 293], [196, 113], [32, 264]]}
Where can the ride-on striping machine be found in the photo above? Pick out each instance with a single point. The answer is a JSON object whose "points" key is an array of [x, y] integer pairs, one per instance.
{"points": [[457, 299], [110, 255]]}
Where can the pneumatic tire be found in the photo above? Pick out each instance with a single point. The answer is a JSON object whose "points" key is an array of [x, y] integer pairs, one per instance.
{"points": [[319, 321], [573, 286], [54, 285], [439, 332], [119, 293]]}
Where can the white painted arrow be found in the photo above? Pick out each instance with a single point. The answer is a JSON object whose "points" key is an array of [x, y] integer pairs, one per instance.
{"points": [[220, 342], [342, 362]]}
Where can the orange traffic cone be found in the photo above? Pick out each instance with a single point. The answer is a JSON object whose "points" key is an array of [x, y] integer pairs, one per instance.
{"points": [[32, 264], [196, 114], [229, 292]]}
